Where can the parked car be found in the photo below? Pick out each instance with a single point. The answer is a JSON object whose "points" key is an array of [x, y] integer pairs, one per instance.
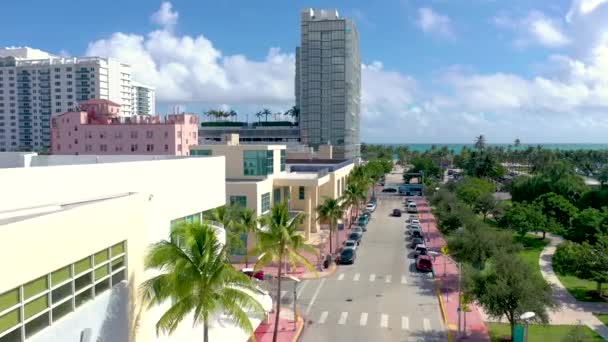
{"points": [[357, 229], [415, 221], [421, 249], [363, 220], [347, 256], [355, 237], [416, 241], [389, 190], [424, 264], [397, 212], [416, 233], [349, 244], [370, 206], [411, 208], [259, 275]]}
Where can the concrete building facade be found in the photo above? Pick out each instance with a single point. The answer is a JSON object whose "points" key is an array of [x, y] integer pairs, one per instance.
{"points": [[143, 99], [35, 85], [328, 82], [97, 128]]}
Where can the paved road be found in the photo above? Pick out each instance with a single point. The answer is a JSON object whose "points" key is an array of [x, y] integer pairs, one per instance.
{"points": [[379, 298]]}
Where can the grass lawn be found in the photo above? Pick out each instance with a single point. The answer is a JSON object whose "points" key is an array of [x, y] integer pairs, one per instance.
{"points": [[532, 248], [543, 333], [581, 289], [603, 318]]}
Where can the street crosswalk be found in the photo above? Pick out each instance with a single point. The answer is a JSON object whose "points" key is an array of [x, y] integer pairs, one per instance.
{"points": [[388, 278], [381, 320]]}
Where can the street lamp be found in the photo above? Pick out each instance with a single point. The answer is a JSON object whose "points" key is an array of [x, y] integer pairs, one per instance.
{"points": [[295, 287], [526, 317]]}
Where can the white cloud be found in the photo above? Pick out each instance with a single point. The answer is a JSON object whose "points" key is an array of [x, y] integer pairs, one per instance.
{"points": [[533, 28], [430, 21], [583, 8], [165, 16], [547, 33]]}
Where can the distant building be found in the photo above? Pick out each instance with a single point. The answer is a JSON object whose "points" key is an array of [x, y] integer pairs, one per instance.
{"points": [[35, 85], [328, 82], [143, 99], [98, 129], [214, 132]]}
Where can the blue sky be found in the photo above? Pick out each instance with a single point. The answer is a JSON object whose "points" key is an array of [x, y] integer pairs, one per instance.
{"points": [[434, 70]]}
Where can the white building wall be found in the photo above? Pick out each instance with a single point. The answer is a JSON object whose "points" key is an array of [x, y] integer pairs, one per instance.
{"points": [[143, 99]]}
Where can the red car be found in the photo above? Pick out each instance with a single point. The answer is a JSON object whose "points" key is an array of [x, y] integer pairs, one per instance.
{"points": [[424, 264], [257, 275]]}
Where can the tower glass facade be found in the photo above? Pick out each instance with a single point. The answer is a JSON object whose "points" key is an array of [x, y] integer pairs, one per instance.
{"points": [[328, 82]]}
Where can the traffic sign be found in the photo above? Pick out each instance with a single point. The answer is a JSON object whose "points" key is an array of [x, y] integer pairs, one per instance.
{"points": [[444, 250]]}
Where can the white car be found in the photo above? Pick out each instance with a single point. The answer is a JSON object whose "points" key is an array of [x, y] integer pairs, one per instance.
{"points": [[370, 207], [415, 221], [350, 244]]}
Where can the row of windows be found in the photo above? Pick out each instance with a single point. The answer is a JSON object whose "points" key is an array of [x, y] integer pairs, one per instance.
{"points": [[239, 200], [118, 148], [194, 218], [201, 152], [258, 163], [31, 307]]}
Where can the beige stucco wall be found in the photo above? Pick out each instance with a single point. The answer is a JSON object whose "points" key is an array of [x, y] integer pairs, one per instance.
{"points": [[252, 189]]}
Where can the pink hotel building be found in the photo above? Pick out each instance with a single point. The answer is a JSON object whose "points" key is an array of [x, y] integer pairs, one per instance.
{"points": [[98, 129]]}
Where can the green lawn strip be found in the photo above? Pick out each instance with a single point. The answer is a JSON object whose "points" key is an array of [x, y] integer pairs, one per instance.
{"points": [[603, 318], [583, 290], [542, 333], [532, 248]]}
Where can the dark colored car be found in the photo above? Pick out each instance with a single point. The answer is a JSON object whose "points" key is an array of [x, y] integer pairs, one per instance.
{"points": [[424, 264], [416, 241], [416, 233], [363, 220], [355, 237], [347, 256], [397, 212], [391, 190]]}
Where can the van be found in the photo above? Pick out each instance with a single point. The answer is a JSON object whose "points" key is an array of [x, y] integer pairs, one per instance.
{"points": [[411, 208]]}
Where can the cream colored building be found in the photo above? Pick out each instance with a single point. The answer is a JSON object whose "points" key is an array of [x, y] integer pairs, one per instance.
{"points": [[257, 176], [73, 239]]}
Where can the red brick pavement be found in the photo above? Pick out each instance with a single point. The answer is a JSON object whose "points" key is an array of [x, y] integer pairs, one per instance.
{"points": [[288, 331], [446, 275]]}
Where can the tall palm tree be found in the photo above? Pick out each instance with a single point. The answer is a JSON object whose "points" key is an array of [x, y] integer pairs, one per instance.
{"points": [[248, 224], [294, 112], [232, 113], [226, 215], [266, 112], [352, 196], [480, 142], [279, 242], [196, 278], [331, 211], [259, 116], [517, 142]]}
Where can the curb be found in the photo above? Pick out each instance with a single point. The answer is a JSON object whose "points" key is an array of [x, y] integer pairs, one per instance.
{"points": [[300, 328], [443, 313]]}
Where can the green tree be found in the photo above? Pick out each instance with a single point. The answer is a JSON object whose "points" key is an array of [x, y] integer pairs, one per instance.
{"points": [[281, 242], [557, 209], [586, 226], [470, 189], [196, 278], [424, 164], [510, 287], [559, 177], [476, 244], [486, 204], [294, 112], [351, 198], [480, 142], [248, 224], [330, 211], [603, 175], [524, 218], [484, 164], [594, 199], [227, 216]]}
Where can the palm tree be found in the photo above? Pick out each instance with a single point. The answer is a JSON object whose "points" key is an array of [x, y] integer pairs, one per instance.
{"points": [[197, 279], [266, 112], [517, 142], [226, 216], [330, 211], [247, 224], [294, 112], [232, 113], [352, 196], [480, 142], [279, 242]]}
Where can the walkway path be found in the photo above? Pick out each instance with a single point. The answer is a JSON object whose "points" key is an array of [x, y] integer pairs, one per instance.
{"points": [[569, 310], [446, 274]]}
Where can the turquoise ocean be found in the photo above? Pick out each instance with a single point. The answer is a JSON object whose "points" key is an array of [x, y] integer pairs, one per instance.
{"points": [[458, 147]]}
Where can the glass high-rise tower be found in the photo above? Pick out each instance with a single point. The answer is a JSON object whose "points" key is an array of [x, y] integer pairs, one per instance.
{"points": [[328, 82]]}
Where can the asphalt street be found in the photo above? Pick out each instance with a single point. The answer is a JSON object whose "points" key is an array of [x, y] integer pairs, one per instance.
{"points": [[380, 298]]}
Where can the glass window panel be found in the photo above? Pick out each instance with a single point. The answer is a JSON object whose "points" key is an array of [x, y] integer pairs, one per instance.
{"points": [[200, 152], [60, 276], [13, 336], [9, 320], [301, 193], [83, 281], [118, 277], [102, 286], [61, 292], [82, 265], [62, 310], [35, 287], [239, 201], [36, 306], [36, 325], [9, 299], [265, 202], [101, 256], [84, 297], [102, 272], [118, 263], [118, 249]]}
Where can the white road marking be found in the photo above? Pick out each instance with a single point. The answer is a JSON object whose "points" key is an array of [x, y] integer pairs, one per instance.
{"points": [[314, 296], [405, 323], [384, 321], [389, 278], [323, 317], [363, 319], [356, 277], [341, 276], [302, 287], [343, 317], [427, 324], [372, 277], [403, 280]]}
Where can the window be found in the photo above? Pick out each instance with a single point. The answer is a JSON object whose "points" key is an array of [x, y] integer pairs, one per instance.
{"points": [[166, 147], [239, 200], [200, 152], [149, 134], [179, 147], [265, 202], [103, 148], [301, 193], [133, 147], [257, 163], [133, 134], [283, 152], [276, 196], [150, 147]]}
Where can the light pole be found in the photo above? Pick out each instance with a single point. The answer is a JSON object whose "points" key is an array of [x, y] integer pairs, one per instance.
{"points": [[526, 317], [295, 299]]}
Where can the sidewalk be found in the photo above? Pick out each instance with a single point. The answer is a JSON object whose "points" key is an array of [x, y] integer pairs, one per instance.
{"points": [[446, 275], [288, 331]]}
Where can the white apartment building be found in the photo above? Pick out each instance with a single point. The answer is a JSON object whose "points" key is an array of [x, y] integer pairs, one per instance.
{"points": [[35, 85], [143, 99]]}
